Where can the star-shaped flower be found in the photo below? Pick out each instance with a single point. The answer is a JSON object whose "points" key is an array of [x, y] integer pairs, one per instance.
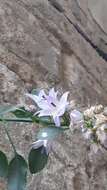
{"points": [[51, 104]]}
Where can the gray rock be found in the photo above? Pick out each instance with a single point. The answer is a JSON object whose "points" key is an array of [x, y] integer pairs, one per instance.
{"points": [[105, 111], [99, 11], [40, 48]]}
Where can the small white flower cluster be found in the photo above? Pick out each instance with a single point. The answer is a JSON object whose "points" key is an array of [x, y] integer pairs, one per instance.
{"points": [[76, 120], [95, 125]]}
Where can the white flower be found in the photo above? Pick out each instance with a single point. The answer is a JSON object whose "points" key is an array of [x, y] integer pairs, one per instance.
{"points": [[47, 145], [89, 112], [51, 105], [76, 119]]}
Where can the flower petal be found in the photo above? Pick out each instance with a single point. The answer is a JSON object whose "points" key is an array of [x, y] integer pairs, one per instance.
{"points": [[57, 121], [76, 117], [52, 93], [42, 94], [44, 113], [47, 145], [43, 104], [52, 97], [61, 110], [63, 99], [37, 144]]}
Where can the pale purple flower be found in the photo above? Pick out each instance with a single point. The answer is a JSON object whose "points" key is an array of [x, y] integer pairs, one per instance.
{"points": [[47, 145], [76, 117], [51, 105]]}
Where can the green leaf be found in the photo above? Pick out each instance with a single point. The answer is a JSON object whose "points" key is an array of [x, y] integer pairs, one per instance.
{"points": [[17, 173], [22, 113], [37, 159], [26, 120], [6, 109], [89, 124], [3, 165], [49, 133]]}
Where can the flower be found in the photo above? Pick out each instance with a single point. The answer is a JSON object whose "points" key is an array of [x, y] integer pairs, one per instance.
{"points": [[76, 117], [47, 145], [50, 105]]}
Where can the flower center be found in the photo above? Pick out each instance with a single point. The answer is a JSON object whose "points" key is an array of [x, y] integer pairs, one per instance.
{"points": [[48, 99]]}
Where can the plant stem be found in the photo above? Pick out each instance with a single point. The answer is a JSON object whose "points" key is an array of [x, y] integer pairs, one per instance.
{"points": [[37, 120], [66, 128], [16, 120], [8, 135]]}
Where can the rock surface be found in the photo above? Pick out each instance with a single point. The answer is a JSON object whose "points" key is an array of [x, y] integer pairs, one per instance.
{"points": [[42, 47], [98, 10]]}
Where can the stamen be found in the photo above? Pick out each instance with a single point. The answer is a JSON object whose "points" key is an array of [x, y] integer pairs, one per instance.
{"points": [[53, 104], [43, 97]]}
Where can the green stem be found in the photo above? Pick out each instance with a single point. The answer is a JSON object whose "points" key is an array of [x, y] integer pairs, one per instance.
{"points": [[37, 120], [17, 120], [65, 128], [8, 135]]}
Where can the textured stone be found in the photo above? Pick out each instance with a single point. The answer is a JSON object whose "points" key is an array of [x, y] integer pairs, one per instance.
{"points": [[40, 48], [11, 86], [99, 11]]}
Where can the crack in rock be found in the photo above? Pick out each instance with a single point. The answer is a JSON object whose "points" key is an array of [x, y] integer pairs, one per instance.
{"points": [[59, 8]]}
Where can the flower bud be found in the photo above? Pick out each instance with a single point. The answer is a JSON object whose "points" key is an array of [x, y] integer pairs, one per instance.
{"points": [[76, 117]]}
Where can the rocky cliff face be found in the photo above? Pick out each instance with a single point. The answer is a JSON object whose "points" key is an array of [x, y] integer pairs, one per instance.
{"points": [[43, 44]]}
